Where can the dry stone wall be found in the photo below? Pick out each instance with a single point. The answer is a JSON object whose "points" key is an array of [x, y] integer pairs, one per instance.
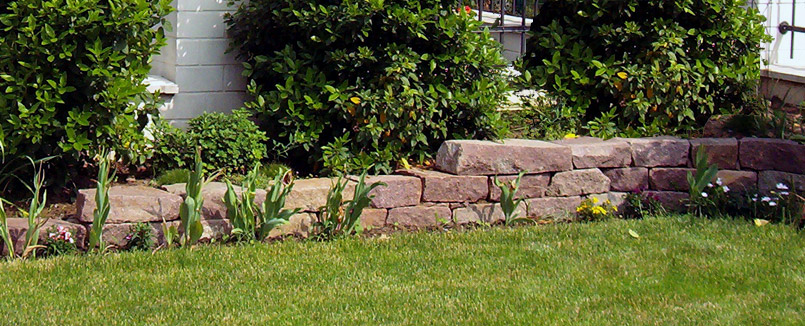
{"points": [[559, 174]]}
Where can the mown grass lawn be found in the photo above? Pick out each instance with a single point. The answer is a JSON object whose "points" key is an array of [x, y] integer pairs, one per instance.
{"points": [[680, 271]]}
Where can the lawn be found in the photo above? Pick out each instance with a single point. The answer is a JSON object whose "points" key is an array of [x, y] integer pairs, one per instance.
{"points": [[679, 271]]}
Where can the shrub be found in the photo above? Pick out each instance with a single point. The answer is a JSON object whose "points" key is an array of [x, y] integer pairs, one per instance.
{"points": [[173, 176], [229, 141], [657, 66], [347, 85], [60, 241], [140, 237], [72, 75]]}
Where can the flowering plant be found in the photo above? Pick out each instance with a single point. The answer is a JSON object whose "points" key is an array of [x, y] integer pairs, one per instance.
{"points": [[591, 210], [60, 241], [780, 205], [712, 200], [640, 203]]}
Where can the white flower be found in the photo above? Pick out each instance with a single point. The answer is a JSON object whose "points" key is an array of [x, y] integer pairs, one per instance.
{"points": [[784, 193], [718, 181], [71, 240], [704, 194], [771, 203], [726, 189], [754, 199], [765, 199], [709, 185], [782, 186], [51, 235]]}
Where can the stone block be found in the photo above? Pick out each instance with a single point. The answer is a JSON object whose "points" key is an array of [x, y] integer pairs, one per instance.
{"points": [[131, 204], [18, 226], [578, 182], [627, 179], [741, 181], [311, 194], [300, 225], [373, 218], [589, 152], [531, 185], [445, 188], [671, 200], [477, 157], [722, 152], [669, 179], [552, 206], [399, 190], [418, 216], [487, 213], [213, 194], [115, 234], [659, 151], [768, 180], [772, 154]]}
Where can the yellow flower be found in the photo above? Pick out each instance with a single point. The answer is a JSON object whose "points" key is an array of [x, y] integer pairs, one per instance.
{"points": [[622, 75], [355, 99], [571, 136], [595, 200], [579, 209]]}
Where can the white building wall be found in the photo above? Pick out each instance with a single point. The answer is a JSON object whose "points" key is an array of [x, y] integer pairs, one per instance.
{"points": [[784, 71]]}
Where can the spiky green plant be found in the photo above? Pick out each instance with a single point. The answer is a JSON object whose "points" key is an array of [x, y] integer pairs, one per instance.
{"points": [[102, 205], [508, 203], [337, 220], [190, 210], [253, 222], [705, 173], [37, 204], [4, 234]]}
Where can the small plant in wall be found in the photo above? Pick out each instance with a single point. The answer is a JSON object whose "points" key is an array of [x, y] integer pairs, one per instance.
{"points": [[190, 210], [60, 241], [4, 234], [700, 200], [340, 218], [250, 221], [35, 207], [590, 210], [508, 201], [102, 206]]}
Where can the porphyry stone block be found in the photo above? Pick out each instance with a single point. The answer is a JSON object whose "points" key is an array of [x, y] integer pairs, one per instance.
{"points": [[399, 190], [131, 204], [18, 226], [445, 188], [477, 157], [670, 179], [419, 216], [772, 154], [487, 213], [552, 206], [659, 151], [589, 152], [723, 152], [578, 182], [628, 179], [531, 185], [768, 180]]}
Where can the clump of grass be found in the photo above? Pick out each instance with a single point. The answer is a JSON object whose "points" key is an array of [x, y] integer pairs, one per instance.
{"points": [[264, 176], [173, 176]]}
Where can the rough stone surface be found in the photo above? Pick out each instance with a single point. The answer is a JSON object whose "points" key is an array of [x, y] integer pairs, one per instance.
{"points": [[659, 151], [670, 200], [373, 218], [300, 225], [552, 206], [444, 188], [18, 226], [589, 152], [768, 180], [399, 190], [738, 180], [476, 157], [616, 198], [578, 182], [487, 213], [131, 204], [772, 154], [627, 179], [311, 194], [531, 185], [669, 179], [722, 152], [115, 234], [418, 216]]}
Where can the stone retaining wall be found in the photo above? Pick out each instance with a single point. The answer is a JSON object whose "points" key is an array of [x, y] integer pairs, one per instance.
{"points": [[461, 189]]}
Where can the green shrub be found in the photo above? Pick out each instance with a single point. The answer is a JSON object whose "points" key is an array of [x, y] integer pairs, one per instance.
{"points": [[140, 237], [655, 66], [228, 141], [263, 177], [345, 85], [71, 74]]}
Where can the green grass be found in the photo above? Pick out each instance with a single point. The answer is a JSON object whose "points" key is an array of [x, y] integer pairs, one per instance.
{"points": [[680, 271]]}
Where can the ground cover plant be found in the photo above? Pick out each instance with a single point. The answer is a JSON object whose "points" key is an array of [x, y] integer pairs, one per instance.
{"points": [[681, 270], [647, 67], [351, 85]]}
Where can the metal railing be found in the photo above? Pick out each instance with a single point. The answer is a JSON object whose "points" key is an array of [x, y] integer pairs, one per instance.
{"points": [[508, 17]]}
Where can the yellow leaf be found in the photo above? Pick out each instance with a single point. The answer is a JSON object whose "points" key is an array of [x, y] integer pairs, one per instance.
{"points": [[622, 75], [634, 234], [760, 222], [571, 136], [405, 164], [355, 99]]}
